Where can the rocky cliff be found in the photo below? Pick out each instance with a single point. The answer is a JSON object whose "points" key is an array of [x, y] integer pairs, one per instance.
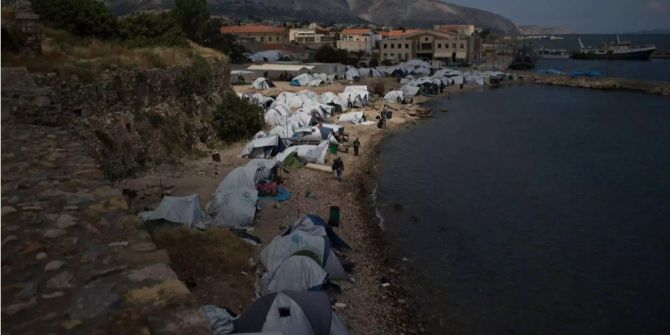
{"points": [[418, 13]]}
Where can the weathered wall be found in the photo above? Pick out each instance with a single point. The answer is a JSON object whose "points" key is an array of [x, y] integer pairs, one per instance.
{"points": [[130, 119]]}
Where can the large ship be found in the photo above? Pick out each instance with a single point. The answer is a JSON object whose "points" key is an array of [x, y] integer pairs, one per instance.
{"points": [[615, 50]]}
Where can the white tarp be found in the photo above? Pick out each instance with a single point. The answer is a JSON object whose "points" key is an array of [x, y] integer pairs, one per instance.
{"points": [[352, 117], [394, 96], [352, 74], [332, 98], [409, 91], [260, 83], [306, 153], [260, 100], [185, 210], [277, 114], [297, 273], [240, 177], [302, 79], [234, 207], [260, 147]]}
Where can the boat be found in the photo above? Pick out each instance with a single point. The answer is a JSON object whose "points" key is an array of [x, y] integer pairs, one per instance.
{"points": [[552, 53], [615, 51], [524, 59]]}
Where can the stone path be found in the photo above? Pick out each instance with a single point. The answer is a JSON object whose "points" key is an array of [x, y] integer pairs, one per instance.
{"points": [[74, 260]]}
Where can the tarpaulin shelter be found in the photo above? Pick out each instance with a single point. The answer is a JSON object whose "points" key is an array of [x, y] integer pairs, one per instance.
{"points": [[261, 83], [185, 210], [297, 273], [317, 226]]}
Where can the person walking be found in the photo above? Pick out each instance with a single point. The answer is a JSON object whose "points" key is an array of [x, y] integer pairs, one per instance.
{"points": [[357, 145], [338, 167]]}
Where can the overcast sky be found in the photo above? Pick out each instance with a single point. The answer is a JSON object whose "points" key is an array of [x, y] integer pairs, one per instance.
{"points": [[592, 16]]}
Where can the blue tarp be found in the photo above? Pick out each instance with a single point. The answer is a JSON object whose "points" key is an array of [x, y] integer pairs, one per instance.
{"points": [[282, 195], [295, 82], [589, 74]]}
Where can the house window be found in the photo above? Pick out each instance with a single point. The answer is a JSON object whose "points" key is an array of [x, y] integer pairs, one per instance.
{"points": [[439, 46], [392, 46], [262, 39], [425, 39], [462, 46], [385, 46], [385, 55], [407, 45], [426, 46]]}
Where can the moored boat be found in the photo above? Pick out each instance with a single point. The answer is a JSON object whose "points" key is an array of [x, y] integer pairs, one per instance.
{"points": [[619, 50]]}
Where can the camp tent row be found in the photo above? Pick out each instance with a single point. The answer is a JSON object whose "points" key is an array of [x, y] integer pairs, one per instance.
{"points": [[307, 79]]}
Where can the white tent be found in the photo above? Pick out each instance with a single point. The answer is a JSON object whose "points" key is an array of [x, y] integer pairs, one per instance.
{"points": [[332, 98], [260, 100], [240, 177], [352, 117], [352, 74], [185, 210], [277, 115], [301, 80], [306, 153], [409, 91], [235, 207], [267, 56], [394, 96], [297, 273], [261, 147], [283, 247], [262, 83]]}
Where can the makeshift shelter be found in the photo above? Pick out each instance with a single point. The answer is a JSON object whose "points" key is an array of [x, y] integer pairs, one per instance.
{"points": [[277, 114], [301, 80], [234, 207], [263, 167], [262, 83], [352, 117], [240, 177], [291, 312], [268, 56], [317, 226], [352, 74], [297, 273], [394, 96], [263, 147], [409, 91], [330, 98], [261, 100], [185, 210], [283, 247]]}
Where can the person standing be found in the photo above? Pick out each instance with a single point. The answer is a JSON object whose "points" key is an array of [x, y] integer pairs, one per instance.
{"points": [[357, 145], [338, 167]]}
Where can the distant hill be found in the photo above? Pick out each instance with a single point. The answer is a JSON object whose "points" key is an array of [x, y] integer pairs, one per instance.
{"points": [[540, 30], [414, 13]]}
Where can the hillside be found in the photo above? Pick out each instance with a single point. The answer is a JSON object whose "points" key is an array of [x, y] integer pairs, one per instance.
{"points": [[419, 13]]}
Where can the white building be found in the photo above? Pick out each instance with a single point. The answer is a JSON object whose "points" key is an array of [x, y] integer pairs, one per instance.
{"points": [[356, 40]]}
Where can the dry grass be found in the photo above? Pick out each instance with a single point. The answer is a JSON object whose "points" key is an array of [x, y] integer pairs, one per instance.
{"points": [[88, 57], [196, 254]]}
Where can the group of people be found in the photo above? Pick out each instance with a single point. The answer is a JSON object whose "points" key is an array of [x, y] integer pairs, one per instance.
{"points": [[338, 164]]}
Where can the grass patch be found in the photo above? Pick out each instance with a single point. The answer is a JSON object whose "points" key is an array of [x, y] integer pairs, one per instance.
{"points": [[197, 254]]}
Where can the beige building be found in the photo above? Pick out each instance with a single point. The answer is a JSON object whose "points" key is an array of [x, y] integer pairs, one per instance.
{"points": [[402, 45], [310, 38], [357, 40], [259, 33]]}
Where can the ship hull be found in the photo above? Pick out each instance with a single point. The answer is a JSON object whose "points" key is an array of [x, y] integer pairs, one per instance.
{"points": [[633, 55]]}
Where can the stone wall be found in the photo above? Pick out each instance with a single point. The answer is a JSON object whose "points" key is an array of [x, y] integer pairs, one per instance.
{"points": [[130, 119]]}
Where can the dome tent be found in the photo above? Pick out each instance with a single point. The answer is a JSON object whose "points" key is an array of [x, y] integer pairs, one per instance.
{"points": [[262, 83], [297, 273], [317, 226], [291, 312], [185, 210], [283, 247]]}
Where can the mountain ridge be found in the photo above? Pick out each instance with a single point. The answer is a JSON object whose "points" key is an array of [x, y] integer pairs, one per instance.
{"points": [[417, 13]]}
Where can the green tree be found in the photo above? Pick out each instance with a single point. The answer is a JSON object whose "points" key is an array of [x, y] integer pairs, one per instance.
{"points": [[209, 35], [147, 29], [80, 17], [235, 119], [191, 14]]}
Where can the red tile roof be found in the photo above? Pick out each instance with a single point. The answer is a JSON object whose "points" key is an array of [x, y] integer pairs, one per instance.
{"points": [[355, 31], [251, 28], [398, 33]]}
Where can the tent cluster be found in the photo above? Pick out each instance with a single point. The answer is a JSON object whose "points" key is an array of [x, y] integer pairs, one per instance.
{"points": [[299, 265], [307, 79], [268, 56]]}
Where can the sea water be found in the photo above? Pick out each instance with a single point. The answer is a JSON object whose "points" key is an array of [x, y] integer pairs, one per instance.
{"points": [[534, 210]]}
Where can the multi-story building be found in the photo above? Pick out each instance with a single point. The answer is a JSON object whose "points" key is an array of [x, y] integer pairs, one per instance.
{"points": [[357, 40], [311, 38], [255, 36], [464, 29], [403, 45]]}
